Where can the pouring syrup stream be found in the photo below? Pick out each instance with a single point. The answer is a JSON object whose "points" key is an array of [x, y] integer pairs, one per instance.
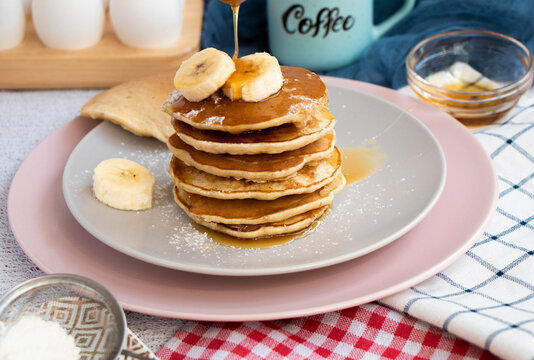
{"points": [[235, 10], [235, 4]]}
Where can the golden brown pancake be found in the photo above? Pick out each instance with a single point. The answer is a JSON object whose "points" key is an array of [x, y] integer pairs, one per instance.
{"points": [[136, 106], [288, 226], [261, 167], [310, 178], [301, 93], [269, 141], [252, 211]]}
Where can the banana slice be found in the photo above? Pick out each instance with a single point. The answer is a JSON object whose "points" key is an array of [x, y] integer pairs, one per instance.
{"points": [[203, 74], [123, 184], [257, 77]]}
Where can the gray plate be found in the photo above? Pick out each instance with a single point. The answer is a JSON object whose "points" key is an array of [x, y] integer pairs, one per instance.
{"points": [[365, 216]]}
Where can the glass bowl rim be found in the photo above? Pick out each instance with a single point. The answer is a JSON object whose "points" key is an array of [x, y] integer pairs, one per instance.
{"points": [[51, 280], [410, 63]]}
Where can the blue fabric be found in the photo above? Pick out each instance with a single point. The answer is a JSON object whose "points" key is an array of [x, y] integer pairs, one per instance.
{"points": [[382, 62]]}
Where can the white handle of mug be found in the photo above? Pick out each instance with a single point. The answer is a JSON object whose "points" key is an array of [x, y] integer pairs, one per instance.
{"points": [[387, 24]]}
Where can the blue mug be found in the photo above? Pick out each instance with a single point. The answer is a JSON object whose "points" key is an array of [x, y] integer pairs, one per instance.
{"points": [[324, 34]]}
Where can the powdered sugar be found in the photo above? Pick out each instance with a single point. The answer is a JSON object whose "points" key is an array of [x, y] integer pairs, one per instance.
{"points": [[32, 337]]}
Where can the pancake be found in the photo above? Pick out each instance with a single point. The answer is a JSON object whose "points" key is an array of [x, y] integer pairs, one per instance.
{"points": [[252, 211], [269, 141], [135, 106], [301, 92], [260, 167], [289, 226], [310, 178]]}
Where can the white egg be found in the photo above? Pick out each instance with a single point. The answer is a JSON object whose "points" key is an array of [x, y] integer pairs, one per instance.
{"points": [[68, 24], [12, 23], [27, 6], [147, 24]]}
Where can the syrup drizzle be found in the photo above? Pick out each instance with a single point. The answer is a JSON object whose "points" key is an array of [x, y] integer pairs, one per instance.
{"points": [[235, 11]]}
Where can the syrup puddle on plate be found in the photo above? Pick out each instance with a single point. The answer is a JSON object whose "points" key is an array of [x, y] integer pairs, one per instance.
{"points": [[360, 162]]}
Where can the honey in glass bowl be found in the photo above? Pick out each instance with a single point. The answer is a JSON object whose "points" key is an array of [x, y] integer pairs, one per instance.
{"points": [[474, 75]]}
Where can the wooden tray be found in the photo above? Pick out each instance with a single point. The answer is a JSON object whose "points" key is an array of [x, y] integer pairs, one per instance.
{"points": [[32, 65]]}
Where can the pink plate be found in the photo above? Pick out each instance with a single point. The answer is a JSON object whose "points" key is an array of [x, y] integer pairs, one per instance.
{"points": [[51, 237]]}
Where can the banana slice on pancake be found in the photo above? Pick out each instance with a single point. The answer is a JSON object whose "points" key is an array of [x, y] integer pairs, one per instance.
{"points": [[203, 74], [251, 78], [257, 77]]}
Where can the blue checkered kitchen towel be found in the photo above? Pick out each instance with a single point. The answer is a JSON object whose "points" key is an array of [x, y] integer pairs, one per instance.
{"points": [[487, 296]]}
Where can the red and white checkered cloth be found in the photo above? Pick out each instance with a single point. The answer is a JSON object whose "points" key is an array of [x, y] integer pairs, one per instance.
{"points": [[369, 331]]}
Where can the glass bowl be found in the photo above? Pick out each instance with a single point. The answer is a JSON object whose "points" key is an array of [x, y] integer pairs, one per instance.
{"points": [[474, 75], [83, 308]]}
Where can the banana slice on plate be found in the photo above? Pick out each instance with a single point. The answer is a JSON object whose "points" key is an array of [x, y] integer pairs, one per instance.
{"points": [[123, 184], [203, 74], [257, 77]]}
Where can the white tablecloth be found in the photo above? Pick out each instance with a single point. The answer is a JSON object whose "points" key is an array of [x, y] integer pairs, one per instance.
{"points": [[26, 118], [484, 297]]}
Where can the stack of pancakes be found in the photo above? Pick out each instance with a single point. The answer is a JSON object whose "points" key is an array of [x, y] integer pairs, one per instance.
{"points": [[256, 169]]}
